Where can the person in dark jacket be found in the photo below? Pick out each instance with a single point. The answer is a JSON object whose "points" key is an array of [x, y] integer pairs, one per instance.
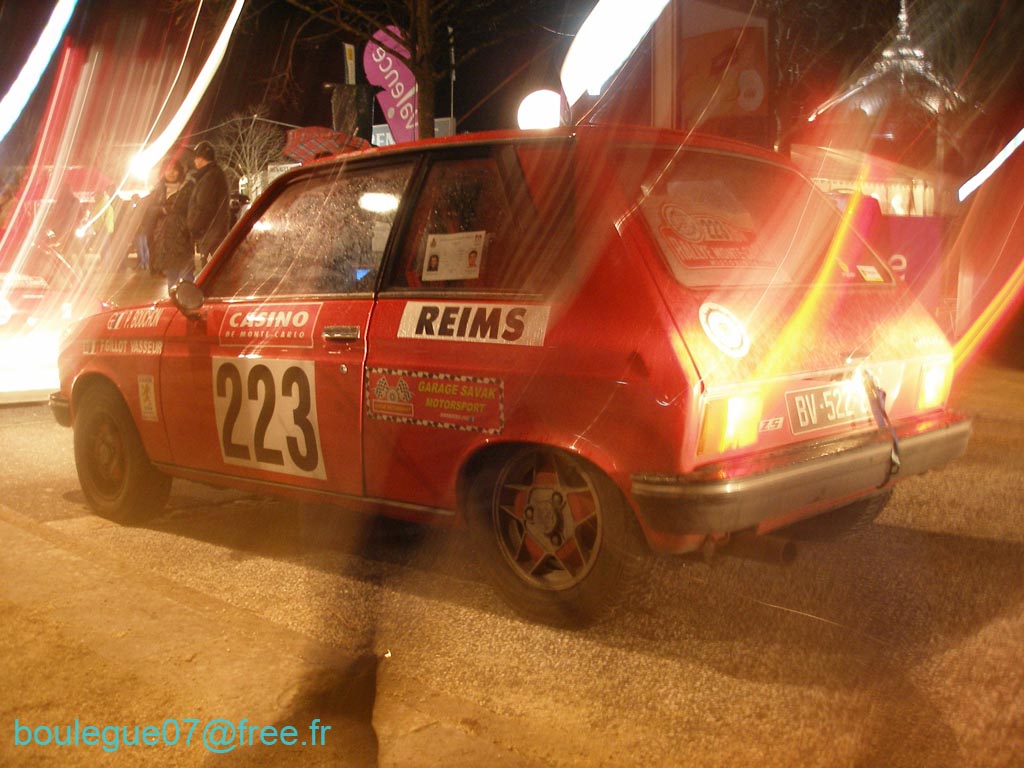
{"points": [[172, 250], [208, 215]]}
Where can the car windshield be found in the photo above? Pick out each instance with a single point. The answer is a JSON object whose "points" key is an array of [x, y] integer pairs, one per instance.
{"points": [[323, 234], [725, 220]]}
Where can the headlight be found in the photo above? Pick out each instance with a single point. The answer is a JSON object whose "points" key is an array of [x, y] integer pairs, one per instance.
{"points": [[6, 311]]}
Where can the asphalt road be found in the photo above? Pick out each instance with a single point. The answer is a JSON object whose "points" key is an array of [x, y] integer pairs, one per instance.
{"points": [[901, 647]]}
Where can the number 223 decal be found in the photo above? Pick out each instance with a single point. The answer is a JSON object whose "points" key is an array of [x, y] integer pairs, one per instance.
{"points": [[266, 415]]}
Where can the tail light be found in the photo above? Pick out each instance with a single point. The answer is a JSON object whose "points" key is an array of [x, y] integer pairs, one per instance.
{"points": [[730, 423], [933, 389]]}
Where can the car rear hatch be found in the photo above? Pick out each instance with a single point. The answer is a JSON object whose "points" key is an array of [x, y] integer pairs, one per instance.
{"points": [[794, 328]]}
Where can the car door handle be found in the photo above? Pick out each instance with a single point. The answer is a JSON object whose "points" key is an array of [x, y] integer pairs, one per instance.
{"points": [[341, 333]]}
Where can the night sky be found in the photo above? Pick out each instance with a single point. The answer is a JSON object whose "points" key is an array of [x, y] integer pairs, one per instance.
{"points": [[487, 91]]}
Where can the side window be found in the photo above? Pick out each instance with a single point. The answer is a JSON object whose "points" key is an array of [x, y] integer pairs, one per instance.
{"points": [[467, 231], [323, 234]]}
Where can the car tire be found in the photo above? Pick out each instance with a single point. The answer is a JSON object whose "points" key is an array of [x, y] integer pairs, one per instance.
{"points": [[116, 476], [840, 523], [555, 536]]}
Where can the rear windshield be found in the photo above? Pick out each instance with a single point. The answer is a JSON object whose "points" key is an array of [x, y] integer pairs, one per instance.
{"points": [[722, 219]]}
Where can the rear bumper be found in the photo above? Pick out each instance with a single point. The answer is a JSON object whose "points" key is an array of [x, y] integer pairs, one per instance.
{"points": [[744, 493]]}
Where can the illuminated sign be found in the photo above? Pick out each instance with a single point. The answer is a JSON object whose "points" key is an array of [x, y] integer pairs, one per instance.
{"points": [[398, 97]]}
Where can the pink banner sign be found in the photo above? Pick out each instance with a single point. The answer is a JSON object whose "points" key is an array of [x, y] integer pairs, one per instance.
{"points": [[398, 99]]}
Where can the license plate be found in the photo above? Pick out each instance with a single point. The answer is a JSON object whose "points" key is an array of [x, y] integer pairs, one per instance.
{"points": [[843, 402]]}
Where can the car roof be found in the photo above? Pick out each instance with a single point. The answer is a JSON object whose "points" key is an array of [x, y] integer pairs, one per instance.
{"points": [[612, 134]]}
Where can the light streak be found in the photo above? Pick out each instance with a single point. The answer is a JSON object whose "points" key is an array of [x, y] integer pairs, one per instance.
{"points": [[145, 160], [993, 165], [20, 92], [23, 227], [152, 154], [800, 324], [28, 365], [608, 36], [995, 312], [140, 166]]}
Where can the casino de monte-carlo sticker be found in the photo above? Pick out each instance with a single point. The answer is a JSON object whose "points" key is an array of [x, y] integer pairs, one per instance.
{"points": [[467, 403], [278, 324]]}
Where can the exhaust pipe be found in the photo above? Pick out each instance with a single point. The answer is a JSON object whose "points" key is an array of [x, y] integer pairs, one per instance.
{"points": [[775, 550]]}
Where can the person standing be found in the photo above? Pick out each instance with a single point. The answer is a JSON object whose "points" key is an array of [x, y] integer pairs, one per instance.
{"points": [[101, 221], [64, 216], [172, 248], [208, 215], [136, 220]]}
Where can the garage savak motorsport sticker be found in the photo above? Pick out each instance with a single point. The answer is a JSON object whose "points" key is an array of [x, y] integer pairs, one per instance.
{"points": [[467, 403], [269, 325]]}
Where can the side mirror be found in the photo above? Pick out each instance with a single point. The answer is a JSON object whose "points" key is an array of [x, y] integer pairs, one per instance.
{"points": [[187, 297]]}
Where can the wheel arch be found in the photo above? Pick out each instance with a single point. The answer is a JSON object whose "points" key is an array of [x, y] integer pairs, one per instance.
{"points": [[86, 383], [116, 475], [484, 455], [605, 562]]}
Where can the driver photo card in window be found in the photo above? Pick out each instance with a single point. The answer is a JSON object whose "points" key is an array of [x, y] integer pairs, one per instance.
{"points": [[453, 257]]}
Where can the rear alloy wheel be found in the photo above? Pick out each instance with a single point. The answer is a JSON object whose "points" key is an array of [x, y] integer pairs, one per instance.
{"points": [[116, 476], [555, 536]]}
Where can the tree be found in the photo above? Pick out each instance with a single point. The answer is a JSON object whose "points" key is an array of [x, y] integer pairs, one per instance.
{"points": [[246, 143], [440, 35]]}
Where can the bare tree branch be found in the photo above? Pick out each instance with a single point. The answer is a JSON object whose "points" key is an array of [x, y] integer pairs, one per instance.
{"points": [[247, 143]]}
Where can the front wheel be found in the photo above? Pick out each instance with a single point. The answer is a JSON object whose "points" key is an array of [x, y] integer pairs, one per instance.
{"points": [[116, 476], [555, 536]]}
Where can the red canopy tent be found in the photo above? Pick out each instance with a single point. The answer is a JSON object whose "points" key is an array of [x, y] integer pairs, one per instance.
{"points": [[314, 141], [84, 181]]}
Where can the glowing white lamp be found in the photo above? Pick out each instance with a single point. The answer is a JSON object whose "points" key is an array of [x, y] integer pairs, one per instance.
{"points": [[607, 38], [541, 109], [378, 202]]}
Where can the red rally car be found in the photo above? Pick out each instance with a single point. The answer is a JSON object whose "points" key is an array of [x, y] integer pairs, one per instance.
{"points": [[576, 342]]}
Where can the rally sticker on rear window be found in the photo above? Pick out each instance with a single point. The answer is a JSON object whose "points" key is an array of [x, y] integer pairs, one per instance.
{"points": [[702, 240], [703, 225], [467, 403], [870, 273], [266, 415], [269, 325], [489, 323]]}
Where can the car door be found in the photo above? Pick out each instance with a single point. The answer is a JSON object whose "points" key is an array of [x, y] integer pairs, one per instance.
{"points": [[460, 323], [265, 383]]}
